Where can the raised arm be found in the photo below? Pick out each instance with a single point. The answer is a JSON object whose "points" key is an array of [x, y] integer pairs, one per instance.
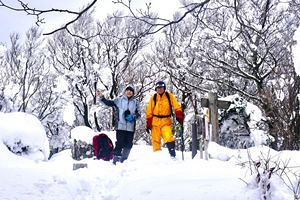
{"points": [[100, 98]]}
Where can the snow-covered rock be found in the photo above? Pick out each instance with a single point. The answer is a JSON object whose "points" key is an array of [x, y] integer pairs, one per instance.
{"points": [[23, 134]]}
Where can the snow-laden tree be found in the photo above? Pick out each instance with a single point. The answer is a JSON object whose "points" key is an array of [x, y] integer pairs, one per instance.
{"points": [[103, 57], [245, 47], [240, 46], [69, 57], [250, 44], [119, 46], [28, 83]]}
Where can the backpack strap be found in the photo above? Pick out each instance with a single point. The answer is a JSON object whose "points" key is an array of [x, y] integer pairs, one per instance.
{"points": [[154, 99]]}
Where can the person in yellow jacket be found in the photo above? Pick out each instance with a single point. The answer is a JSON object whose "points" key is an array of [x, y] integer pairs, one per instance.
{"points": [[158, 116]]}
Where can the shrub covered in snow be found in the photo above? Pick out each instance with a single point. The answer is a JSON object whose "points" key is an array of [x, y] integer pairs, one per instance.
{"points": [[23, 134], [82, 139], [240, 124], [234, 130]]}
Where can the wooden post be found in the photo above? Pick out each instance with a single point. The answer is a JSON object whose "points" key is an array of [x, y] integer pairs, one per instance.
{"points": [[214, 104], [201, 135], [213, 113], [194, 139], [206, 137]]}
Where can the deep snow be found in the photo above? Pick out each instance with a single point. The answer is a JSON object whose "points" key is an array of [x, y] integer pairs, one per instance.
{"points": [[145, 175]]}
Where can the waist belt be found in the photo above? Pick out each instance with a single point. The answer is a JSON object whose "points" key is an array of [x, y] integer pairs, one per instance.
{"points": [[162, 116]]}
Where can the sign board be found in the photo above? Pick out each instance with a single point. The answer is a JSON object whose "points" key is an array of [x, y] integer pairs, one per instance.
{"points": [[214, 104]]}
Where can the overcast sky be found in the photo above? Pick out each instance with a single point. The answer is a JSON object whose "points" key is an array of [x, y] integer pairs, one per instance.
{"points": [[20, 22]]}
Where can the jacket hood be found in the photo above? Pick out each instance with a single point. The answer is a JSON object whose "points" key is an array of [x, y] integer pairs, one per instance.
{"points": [[130, 87]]}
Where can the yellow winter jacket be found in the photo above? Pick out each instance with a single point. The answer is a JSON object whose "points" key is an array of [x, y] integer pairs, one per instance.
{"points": [[162, 108]]}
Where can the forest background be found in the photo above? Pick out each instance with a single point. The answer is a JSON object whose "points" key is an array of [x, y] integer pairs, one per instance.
{"points": [[228, 47]]}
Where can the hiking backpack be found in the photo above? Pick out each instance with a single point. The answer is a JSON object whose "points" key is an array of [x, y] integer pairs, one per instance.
{"points": [[103, 147]]}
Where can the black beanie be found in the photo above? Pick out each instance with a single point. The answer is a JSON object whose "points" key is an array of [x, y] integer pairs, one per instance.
{"points": [[130, 88], [160, 84]]}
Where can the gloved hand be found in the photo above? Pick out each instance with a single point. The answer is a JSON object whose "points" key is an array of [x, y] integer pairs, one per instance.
{"points": [[99, 93], [148, 130], [179, 116], [149, 123], [130, 118]]}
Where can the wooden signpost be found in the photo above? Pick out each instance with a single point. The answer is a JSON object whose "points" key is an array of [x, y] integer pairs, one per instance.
{"points": [[213, 104], [206, 129]]}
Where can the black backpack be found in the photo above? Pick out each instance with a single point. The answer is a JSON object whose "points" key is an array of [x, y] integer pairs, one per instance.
{"points": [[103, 147]]}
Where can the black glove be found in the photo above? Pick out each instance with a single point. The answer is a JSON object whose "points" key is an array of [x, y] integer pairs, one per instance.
{"points": [[148, 130]]}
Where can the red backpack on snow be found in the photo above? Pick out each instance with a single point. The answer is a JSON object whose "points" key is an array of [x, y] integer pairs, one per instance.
{"points": [[103, 147]]}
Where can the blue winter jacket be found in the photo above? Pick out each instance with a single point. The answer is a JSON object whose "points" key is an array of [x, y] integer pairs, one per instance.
{"points": [[122, 104]]}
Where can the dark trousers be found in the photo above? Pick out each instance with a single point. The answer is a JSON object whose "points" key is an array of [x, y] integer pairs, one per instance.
{"points": [[124, 140]]}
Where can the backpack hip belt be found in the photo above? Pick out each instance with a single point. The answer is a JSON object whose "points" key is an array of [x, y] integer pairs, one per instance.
{"points": [[162, 116]]}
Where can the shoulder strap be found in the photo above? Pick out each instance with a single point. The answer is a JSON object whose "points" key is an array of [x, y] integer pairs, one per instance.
{"points": [[154, 99], [170, 104], [168, 97]]}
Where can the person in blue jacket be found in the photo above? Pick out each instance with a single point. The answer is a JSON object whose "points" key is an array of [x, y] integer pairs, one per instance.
{"points": [[128, 112]]}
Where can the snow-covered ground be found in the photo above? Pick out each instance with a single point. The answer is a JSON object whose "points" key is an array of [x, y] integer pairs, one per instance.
{"points": [[145, 175]]}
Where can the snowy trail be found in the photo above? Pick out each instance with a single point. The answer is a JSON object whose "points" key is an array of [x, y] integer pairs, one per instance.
{"points": [[145, 176], [148, 177], [177, 180]]}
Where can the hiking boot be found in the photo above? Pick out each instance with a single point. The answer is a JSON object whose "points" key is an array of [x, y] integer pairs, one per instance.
{"points": [[125, 154], [171, 148], [116, 159], [173, 158]]}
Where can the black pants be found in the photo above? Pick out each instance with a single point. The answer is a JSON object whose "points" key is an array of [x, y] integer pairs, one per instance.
{"points": [[124, 140]]}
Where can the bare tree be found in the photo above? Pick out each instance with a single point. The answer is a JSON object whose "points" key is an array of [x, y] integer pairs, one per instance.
{"points": [[39, 13], [155, 22]]}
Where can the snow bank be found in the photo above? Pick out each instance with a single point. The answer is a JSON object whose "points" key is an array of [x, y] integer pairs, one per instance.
{"points": [[20, 131], [83, 133]]}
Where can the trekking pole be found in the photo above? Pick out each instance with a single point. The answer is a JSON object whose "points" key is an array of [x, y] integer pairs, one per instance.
{"points": [[182, 141]]}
